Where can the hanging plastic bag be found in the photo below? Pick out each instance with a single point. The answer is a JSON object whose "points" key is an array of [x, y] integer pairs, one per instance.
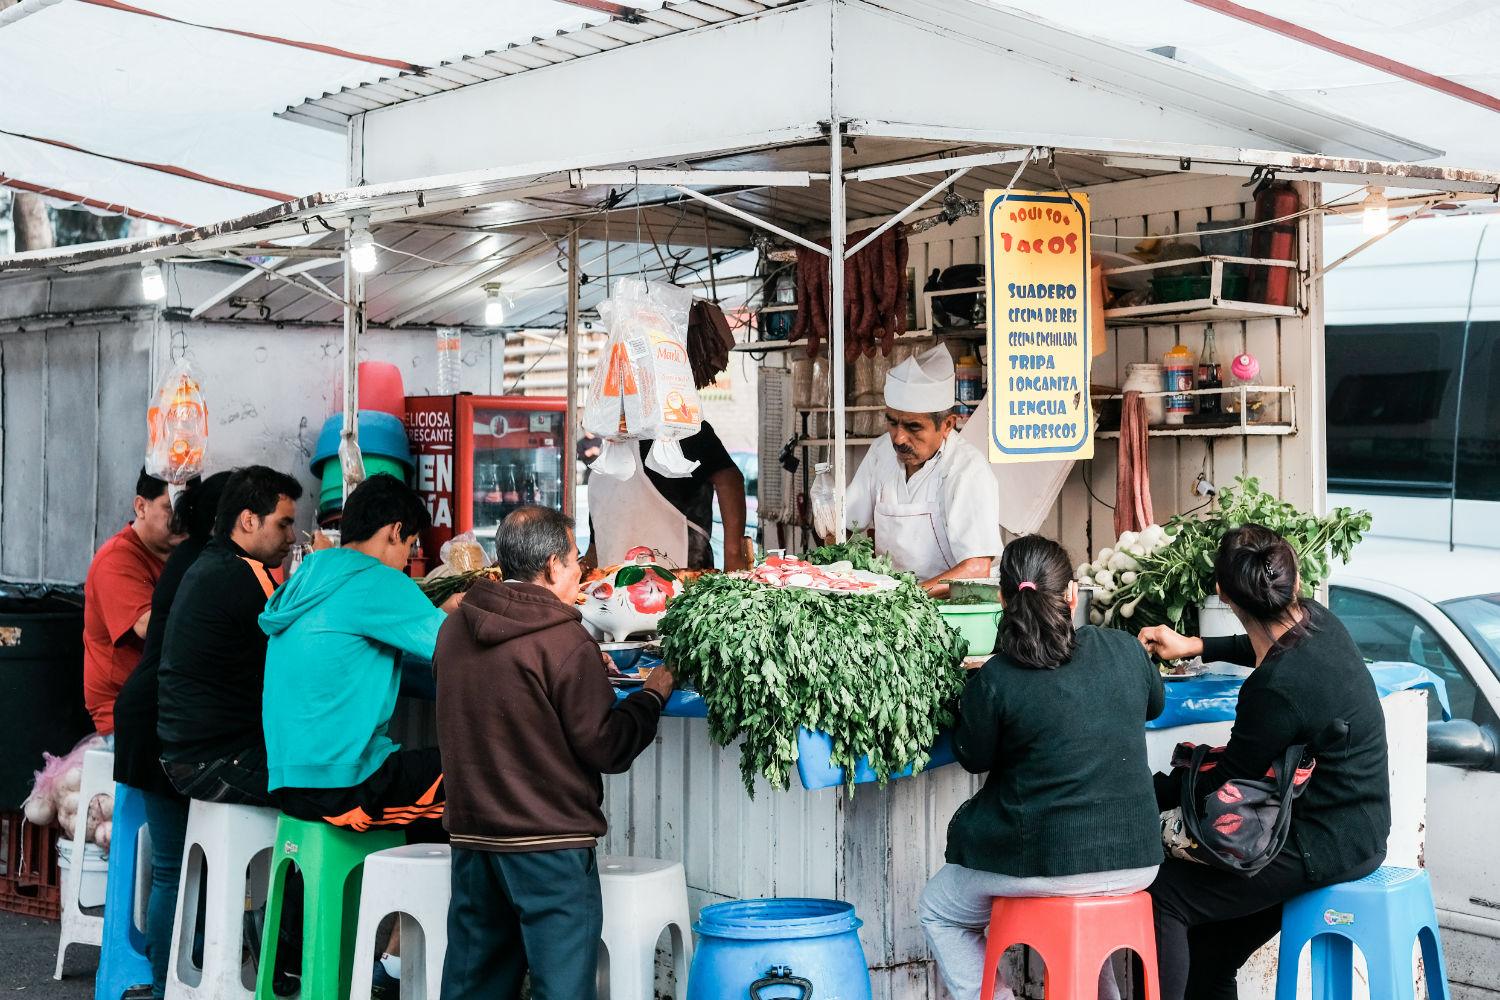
{"points": [[177, 426], [644, 388]]}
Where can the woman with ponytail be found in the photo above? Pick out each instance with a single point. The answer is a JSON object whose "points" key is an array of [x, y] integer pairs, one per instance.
{"points": [[1309, 688], [1057, 717]]}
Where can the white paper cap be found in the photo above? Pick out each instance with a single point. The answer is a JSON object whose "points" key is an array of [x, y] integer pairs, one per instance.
{"points": [[922, 384]]}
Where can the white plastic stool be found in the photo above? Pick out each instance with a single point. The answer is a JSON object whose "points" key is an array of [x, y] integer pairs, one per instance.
{"points": [[642, 896], [217, 850], [78, 927], [416, 882]]}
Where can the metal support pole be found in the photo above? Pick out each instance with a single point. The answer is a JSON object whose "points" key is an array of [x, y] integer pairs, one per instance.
{"points": [[354, 328], [570, 432], [836, 237]]}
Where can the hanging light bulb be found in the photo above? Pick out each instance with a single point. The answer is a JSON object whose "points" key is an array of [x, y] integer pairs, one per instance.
{"points": [[152, 286], [494, 306], [361, 245], [1376, 217]]}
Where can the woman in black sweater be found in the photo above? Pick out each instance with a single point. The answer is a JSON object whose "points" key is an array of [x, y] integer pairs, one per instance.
{"points": [[1310, 686], [1057, 717], [137, 749]]}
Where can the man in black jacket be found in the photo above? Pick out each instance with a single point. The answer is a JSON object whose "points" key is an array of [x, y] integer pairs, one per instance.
{"points": [[214, 655]]}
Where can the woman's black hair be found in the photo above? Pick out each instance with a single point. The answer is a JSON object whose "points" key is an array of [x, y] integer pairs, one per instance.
{"points": [[193, 514], [1256, 570], [1036, 629]]}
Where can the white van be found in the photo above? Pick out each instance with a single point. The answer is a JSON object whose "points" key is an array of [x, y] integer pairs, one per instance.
{"points": [[1413, 378]]}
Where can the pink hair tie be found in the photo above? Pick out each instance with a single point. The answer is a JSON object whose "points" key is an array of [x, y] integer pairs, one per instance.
{"points": [[1025, 585]]}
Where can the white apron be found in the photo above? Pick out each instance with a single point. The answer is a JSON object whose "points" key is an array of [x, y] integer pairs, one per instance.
{"points": [[630, 512], [914, 535]]}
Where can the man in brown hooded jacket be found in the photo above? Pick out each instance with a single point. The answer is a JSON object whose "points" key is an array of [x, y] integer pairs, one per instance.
{"points": [[527, 723]]}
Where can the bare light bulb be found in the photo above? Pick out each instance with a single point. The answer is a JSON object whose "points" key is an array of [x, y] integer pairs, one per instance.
{"points": [[152, 286], [361, 247], [494, 306], [1376, 217]]}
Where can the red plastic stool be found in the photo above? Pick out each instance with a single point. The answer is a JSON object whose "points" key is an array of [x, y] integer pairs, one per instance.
{"points": [[1075, 935]]}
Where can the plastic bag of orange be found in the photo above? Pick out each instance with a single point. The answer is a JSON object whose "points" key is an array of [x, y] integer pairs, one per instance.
{"points": [[177, 425]]}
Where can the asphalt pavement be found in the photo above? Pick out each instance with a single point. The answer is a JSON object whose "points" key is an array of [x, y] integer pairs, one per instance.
{"points": [[28, 952]]}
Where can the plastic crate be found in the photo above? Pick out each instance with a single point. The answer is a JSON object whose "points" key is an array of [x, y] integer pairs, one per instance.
{"points": [[30, 882]]}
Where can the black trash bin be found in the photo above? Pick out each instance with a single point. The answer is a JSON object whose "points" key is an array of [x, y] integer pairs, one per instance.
{"points": [[41, 680]]}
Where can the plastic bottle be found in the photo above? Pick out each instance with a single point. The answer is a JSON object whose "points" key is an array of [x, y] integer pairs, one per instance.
{"points": [[821, 493], [1245, 370], [1176, 376], [1209, 376], [970, 379], [449, 346], [510, 490]]}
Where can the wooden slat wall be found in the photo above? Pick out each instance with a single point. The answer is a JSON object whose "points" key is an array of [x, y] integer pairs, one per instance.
{"points": [[683, 800]]}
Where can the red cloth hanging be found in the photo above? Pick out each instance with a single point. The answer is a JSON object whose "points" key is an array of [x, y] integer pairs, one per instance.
{"points": [[1133, 473]]}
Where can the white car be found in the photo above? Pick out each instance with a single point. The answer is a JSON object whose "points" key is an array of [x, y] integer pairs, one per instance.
{"points": [[1421, 603]]}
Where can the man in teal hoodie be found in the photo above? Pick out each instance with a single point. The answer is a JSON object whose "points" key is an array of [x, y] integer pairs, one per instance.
{"points": [[338, 629]]}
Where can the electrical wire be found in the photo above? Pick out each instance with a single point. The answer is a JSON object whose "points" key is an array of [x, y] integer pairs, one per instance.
{"points": [[1322, 209]]}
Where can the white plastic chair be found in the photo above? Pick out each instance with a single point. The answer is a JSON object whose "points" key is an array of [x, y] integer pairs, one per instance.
{"points": [[414, 881], [220, 843], [78, 927], [642, 897]]}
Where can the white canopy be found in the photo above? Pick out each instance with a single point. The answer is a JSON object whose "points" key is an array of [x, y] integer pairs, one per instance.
{"points": [[142, 99]]}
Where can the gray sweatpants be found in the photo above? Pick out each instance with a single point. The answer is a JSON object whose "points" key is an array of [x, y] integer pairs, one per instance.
{"points": [[955, 911]]}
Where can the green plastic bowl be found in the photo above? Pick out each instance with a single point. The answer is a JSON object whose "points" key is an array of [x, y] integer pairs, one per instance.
{"points": [[978, 623], [332, 475]]}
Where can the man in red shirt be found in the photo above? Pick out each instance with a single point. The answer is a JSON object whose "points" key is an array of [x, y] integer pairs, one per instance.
{"points": [[117, 598]]}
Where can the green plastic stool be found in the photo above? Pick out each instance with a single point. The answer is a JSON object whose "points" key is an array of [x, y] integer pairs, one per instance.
{"points": [[331, 860]]}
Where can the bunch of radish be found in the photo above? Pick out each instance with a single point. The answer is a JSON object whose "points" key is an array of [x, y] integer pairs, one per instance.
{"points": [[1115, 570]]}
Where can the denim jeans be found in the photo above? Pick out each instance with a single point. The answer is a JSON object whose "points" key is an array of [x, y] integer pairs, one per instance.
{"points": [[166, 817], [955, 911]]}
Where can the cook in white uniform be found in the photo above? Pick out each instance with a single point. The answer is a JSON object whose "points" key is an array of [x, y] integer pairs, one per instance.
{"points": [[929, 495]]}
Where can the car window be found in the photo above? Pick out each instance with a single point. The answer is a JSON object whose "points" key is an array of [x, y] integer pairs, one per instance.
{"points": [[1479, 619], [1386, 630]]}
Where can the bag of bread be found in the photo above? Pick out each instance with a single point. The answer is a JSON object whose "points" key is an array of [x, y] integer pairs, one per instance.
{"points": [[644, 387]]}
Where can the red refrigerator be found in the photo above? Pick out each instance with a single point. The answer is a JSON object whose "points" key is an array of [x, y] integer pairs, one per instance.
{"points": [[480, 457]]}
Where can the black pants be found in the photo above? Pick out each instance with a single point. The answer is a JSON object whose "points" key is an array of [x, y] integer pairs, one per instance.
{"points": [[1209, 922], [540, 910], [238, 779]]}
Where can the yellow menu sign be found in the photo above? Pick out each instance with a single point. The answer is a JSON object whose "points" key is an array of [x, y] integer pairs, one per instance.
{"points": [[1037, 287]]}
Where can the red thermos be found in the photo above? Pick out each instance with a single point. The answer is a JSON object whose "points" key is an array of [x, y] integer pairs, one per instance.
{"points": [[1274, 285]]}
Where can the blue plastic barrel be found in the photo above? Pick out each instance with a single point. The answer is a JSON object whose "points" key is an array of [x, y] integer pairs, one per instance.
{"points": [[742, 943]]}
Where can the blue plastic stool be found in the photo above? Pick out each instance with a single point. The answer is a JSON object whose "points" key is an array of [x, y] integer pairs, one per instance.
{"points": [[122, 959], [1383, 913]]}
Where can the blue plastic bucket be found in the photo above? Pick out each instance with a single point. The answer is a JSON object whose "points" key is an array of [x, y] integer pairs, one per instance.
{"points": [[816, 940]]}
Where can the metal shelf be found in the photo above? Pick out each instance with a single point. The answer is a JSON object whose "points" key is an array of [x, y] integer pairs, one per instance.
{"points": [[1194, 311], [1187, 430], [849, 442]]}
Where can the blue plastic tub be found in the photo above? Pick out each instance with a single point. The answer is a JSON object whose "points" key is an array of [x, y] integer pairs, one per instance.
{"points": [[815, 767], [813, 939], [379, 434]]}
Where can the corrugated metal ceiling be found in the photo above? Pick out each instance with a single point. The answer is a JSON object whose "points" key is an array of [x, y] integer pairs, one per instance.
{"points": [[333, 110]]}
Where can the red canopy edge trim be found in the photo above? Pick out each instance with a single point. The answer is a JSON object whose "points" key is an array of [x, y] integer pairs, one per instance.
{"points": [[78, 199], [1363, 56], [330, 50], [165, 168]]}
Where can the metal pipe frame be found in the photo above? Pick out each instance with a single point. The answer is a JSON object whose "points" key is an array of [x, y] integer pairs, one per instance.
{"points": [[896, 219], [952, 163], [678, 178], [756, 220]]}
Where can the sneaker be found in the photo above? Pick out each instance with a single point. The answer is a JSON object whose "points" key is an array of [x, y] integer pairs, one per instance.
{"points": [[384, 986]]}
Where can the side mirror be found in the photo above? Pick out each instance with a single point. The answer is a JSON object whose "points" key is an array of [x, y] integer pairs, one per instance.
{"points": [[1464, 743]]}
